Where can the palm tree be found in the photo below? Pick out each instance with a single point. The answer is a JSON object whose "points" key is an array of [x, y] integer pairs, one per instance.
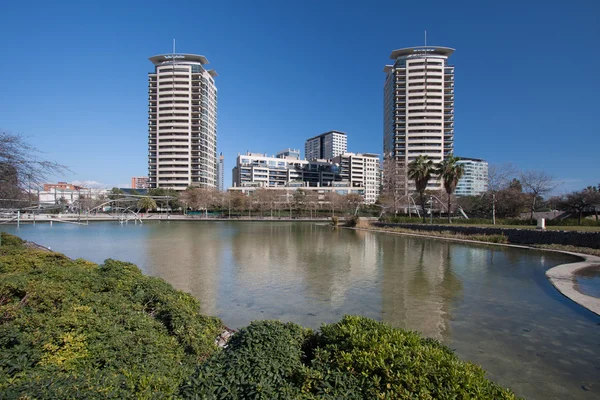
{"points": [[420, 170], [450, 172], [146, 203]]}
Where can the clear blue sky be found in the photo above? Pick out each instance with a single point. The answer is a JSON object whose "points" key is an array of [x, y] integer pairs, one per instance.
{"points": [[74, 76]]}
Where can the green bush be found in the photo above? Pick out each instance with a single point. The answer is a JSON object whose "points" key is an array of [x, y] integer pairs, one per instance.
{"points": [[352, 221], [356, 358], [75, 329]]}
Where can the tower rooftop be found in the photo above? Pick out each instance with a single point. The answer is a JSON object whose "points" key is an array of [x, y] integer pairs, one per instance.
{"points": [[162, 58], [421, 50]]}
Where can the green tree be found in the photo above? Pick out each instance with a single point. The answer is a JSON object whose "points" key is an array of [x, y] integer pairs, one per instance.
{"points": [[421, 171], [450, 171], [146, 204]]}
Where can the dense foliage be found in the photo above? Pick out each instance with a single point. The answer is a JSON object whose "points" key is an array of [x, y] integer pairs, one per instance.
{"points": [[73, 329], [356, 358]]}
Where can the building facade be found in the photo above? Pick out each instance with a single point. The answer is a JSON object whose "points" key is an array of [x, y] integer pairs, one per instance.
{"points": [[182, 123], [221, 173], [326, 146], [139, 182], [418, 115], [475, 178], [61, 186], [349, 170], [361, 170]]}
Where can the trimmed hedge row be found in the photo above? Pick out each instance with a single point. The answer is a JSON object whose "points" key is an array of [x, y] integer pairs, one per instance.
{"points": [[73, 329]]}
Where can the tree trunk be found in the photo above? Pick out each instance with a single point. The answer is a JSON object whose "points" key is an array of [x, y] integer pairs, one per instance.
{"points": [[422, 196], [449, 208], [579, 216]]}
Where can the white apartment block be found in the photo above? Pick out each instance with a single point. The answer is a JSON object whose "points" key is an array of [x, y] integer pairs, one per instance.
{"points": [[361, 170], [182, 122], [475, 178], [326, 146], [257, 169], [418, 108]]}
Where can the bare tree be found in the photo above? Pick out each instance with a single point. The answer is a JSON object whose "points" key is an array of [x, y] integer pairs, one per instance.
{"points": [[21, 167], [536, 184], [580, 201], [394, 184], [499, 177]]}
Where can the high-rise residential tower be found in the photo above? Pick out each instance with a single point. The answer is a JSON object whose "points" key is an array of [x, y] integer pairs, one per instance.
{"points": [[182, 122], [221, 173], [326, 146], [418, 114]]}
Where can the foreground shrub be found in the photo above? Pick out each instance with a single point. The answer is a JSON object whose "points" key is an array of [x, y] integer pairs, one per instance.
{"points": [[356, 358], [75, 329]]}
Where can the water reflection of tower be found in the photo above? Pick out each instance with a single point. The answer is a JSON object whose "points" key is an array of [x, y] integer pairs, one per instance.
{"points": [[418, 285], [188, 256]]}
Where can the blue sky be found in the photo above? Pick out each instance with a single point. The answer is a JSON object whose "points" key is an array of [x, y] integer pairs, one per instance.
{"points": [[74, 76]]}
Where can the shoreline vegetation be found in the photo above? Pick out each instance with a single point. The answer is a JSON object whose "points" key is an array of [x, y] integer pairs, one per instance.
{"points": [[72, 328]]}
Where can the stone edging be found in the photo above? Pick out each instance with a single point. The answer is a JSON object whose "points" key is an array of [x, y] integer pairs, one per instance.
{"points": [[563, 280], [560, 276]]}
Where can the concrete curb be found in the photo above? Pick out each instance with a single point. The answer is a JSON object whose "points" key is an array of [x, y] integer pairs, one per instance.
{"points": [[562, 277]]}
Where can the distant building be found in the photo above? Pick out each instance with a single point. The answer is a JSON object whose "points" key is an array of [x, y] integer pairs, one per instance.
{"points": [[221, 173], [326, 146], [475, 179], [61, 186], [361, 170], [139, 182], [257, 169], [289, 154]]}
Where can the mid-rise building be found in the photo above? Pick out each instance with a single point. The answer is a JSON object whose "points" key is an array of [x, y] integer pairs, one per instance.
{"points": [[221, 173], [139, 182], [61, 186], [361, 170], [182, 123], [326, 146], [257, 169], [418, 115], [475, 178]]}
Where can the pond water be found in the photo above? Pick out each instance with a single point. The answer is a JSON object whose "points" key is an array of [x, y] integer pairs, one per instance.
{"points": [[588, 281], [492, 305]]}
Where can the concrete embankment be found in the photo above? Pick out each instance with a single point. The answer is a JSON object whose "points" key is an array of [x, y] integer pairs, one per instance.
{"points": [[515, 236]]}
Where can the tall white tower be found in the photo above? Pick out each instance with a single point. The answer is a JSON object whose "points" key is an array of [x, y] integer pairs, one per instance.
{"points": [[418, 114], [182, 122]]}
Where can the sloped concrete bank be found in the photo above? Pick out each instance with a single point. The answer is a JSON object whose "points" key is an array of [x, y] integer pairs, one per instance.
{"points": [[515, 236]]}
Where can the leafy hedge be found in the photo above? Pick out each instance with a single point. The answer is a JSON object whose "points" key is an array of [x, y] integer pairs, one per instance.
{"points": [[73, 329], [356, 358]]}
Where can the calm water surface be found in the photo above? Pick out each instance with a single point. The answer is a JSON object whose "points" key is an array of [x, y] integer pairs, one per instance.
{"points": [[588, 281], [492, 305]]}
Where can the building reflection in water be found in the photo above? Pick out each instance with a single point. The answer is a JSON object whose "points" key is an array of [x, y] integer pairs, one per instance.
{"points": [[189, 258], [418, 284]]}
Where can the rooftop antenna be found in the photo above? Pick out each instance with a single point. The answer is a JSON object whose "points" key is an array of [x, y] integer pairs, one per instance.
{"points": [[425, 40], [174, 45]]}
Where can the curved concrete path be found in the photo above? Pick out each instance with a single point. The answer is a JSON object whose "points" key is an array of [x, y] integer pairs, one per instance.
{"points": [[562, 277]]}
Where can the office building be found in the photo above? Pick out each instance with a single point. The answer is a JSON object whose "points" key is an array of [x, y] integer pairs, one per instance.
{"points": [[139, 182], [418, 112], [326, 146], [220, 173], [292, 154], [475, 178], [182, 123], [361, 170]]}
